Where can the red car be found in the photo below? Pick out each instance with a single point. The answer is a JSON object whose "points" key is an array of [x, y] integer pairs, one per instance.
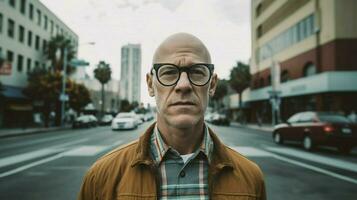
{"points": [[318, 128]]}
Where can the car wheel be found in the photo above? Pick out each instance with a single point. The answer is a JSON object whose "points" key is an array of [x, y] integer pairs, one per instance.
{"points": [[308, 143], [344, 149], [278, 139]]}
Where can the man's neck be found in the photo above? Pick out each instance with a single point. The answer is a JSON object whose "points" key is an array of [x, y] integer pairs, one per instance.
{"points": [[185, 140]]}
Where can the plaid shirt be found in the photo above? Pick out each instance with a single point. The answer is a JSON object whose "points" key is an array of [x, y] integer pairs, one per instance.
{"points": [[181, 180]]}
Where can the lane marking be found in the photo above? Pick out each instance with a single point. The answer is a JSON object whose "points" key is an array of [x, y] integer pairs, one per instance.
{"points": [[251, 151], [313, 168], [25, 156], [45, 160], [35, 154], [85, 151], [246, 151], [316, 158]]}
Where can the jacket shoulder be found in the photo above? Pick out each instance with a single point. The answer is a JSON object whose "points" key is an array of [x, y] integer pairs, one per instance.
{"points": [[244, 164], [119, 155], [102, 177]]}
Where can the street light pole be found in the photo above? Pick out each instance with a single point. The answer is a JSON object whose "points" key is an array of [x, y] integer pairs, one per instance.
{"points": [[63, 97]]}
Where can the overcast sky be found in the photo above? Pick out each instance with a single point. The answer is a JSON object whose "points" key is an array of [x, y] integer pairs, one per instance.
{"points": [[223, 25]]}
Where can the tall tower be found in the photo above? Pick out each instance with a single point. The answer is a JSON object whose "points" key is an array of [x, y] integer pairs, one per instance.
{"points": [[130, 72]]}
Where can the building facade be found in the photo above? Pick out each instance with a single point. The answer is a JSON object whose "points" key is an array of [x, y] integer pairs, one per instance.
{"points": [[130, 74], [26, 26], [312, 45]]}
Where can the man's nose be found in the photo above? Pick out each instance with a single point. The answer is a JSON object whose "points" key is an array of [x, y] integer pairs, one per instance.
{"points": [[183, 83]]}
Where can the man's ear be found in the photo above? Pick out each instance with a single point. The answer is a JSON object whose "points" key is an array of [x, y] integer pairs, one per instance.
{"points": [[149, 82], [213, 85]]}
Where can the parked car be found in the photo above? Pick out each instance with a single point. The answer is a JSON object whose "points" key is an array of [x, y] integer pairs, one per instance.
{"points": [[106, 120], [125, 120], [220, 119], [313, 129], [209, 117], [85, 121], [149, 116]]}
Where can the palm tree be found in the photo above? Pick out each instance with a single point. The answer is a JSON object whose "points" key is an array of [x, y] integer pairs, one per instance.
{"points": [[103, 74], [62, 43], [59, 42]]}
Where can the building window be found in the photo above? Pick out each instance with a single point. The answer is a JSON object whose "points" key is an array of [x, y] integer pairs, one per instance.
{"points": [[259, 31], [23, 6], [10, 56], [284, 76], [29, 61], [10, 28], [46, 21], [37, 64], [294, 34], [51, 27], [258, 9], [37, 42], [20, 61], [309, 69], [29, 38], [57, 30], [1, 19], [21, 33], [12, 3], [39, 17], [31, 11], [261, 82], [44, 45]]}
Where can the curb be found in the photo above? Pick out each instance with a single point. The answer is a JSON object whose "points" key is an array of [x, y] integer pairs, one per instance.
{"points": [[32, 132], [267, 130]]}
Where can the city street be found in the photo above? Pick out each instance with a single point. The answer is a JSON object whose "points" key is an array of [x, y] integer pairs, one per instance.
{"points": [[51, 165]]}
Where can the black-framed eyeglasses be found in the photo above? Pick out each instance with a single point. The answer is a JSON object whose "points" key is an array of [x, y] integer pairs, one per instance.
{"points": [[169, 74]]}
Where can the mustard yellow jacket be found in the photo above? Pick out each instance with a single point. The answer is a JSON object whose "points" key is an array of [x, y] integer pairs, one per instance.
{"points": [[130, 173]]}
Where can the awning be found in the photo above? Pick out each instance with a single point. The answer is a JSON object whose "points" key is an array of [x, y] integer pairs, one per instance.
{"points": [[20, 107], [12, 92]]}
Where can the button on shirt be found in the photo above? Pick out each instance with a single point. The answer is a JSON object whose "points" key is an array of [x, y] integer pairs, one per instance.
{"points": [[179, 179]]}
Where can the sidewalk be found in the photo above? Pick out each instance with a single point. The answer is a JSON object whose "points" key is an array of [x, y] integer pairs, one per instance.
{"points": [[12, 132], [264, 127]]}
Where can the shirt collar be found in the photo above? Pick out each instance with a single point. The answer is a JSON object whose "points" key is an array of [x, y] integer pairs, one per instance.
{"points": [[159, 148]]}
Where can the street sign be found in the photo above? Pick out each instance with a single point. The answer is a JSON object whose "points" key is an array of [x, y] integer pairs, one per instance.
{"points": [[78, 63], [64, 97], [6, 68]]}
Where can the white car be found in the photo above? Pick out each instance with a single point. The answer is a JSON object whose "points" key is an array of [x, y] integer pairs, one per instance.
{"points": [[125, 120]]}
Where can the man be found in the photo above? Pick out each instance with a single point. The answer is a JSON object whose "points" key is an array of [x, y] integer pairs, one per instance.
{"points": [[178, 157]]}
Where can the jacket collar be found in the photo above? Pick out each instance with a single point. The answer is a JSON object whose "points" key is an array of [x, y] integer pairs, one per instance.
{"points": [[220, 158]]}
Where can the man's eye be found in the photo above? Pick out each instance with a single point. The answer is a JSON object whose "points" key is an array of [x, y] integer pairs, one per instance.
{"points": [[197, 72], [169, 72]]}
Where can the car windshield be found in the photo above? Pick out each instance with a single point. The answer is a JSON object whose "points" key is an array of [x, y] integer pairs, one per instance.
{"points": [[333, 118]]}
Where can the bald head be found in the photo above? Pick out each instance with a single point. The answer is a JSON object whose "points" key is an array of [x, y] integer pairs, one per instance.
{"points": [[181, 44]]}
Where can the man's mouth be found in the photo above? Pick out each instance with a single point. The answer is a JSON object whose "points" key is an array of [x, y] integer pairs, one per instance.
{"points": [[183, 103]]}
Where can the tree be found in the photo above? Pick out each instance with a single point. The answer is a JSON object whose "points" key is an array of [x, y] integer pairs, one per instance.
{"points": [[44, 86], [240, 79], [79, 96], [60, 42], [221, 91], [125, 106], [103, 74]]}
